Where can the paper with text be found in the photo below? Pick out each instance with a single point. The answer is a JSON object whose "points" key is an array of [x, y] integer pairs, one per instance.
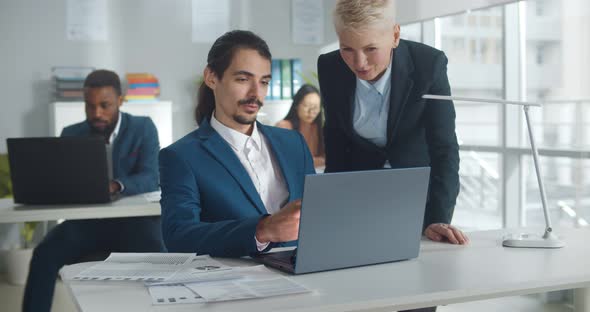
{"points": [[173, 294], [150, 267], [256, 282]]}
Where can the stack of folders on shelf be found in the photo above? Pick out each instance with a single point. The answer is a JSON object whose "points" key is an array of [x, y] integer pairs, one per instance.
{"points": [[142, 87], [286, 79], [69, 82]]}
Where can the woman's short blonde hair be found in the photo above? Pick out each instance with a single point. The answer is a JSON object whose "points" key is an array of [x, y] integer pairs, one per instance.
{"points": [[359, 14]]}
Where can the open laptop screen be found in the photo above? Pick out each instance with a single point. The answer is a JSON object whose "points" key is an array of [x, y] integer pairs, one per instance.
{"points": [[58, 170]]}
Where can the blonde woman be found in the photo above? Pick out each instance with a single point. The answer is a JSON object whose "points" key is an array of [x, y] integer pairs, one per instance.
{"points": [[375, 116]]}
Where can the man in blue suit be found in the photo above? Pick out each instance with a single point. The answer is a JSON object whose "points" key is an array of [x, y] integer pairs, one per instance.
{"points": [[132, 149], [232, 187]]}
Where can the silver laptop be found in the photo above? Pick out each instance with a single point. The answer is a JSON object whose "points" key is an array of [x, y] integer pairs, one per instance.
{"points": [[357, 218]]}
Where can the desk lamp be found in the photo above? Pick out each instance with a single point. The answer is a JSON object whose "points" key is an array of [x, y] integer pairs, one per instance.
{"points": [[520, 240]]}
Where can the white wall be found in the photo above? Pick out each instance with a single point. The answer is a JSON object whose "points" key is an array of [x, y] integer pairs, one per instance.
{"points": [[31, 41], [145, 35]]}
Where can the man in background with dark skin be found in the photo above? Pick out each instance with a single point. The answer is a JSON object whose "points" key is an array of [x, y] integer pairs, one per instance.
{"points": [[102, 112], [103, 118], [132, 153]]}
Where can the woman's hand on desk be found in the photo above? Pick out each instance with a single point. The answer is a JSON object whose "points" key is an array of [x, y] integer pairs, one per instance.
{"points": [[440, 232]]}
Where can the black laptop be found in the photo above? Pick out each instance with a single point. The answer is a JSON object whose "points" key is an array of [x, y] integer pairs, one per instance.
{"points": [[68, 170]]}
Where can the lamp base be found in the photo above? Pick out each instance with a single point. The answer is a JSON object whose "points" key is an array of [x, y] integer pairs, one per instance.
{"points": [[525, 240]]}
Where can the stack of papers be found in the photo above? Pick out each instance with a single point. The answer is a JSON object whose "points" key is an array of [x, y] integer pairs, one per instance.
{"points": [[150, 267], [177, 278], [69, 82], [245, 283]]}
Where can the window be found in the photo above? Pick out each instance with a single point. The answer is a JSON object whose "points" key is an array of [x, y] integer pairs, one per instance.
{"points": [[471, 50], [558, 76], [411, 32], [539, 7], [458, 20], [567, 185], [471, 20], [486, 21], [540, 55], [492, 56], [478, 202]]}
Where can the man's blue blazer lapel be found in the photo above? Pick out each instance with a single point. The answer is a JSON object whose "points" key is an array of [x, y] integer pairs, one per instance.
{"points": [[223, 153]]}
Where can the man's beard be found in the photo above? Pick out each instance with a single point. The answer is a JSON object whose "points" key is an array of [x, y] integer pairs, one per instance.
{"points": [[106, 132], [245, 120]]}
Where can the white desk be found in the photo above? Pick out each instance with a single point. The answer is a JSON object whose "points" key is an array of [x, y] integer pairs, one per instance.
{"points": [[442, 274], [133, 206]]}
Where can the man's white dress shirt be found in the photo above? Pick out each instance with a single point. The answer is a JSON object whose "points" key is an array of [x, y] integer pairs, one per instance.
{"points": [[257, 158]]}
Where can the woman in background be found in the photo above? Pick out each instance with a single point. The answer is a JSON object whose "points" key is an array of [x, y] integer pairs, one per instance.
{"points": [[305, 116]]}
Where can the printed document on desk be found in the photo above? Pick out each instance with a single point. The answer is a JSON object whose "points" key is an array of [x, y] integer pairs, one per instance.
{"points": [[245, 283], [256, 282], [151, 267], [174, 293]]}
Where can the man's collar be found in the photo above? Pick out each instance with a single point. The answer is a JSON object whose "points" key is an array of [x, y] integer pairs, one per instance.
{"points": [[236, 139], [116, 130]]}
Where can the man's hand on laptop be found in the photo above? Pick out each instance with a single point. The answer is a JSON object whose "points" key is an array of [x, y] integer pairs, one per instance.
{"points": [[114, 187], [282, 226], [442, 232]]}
